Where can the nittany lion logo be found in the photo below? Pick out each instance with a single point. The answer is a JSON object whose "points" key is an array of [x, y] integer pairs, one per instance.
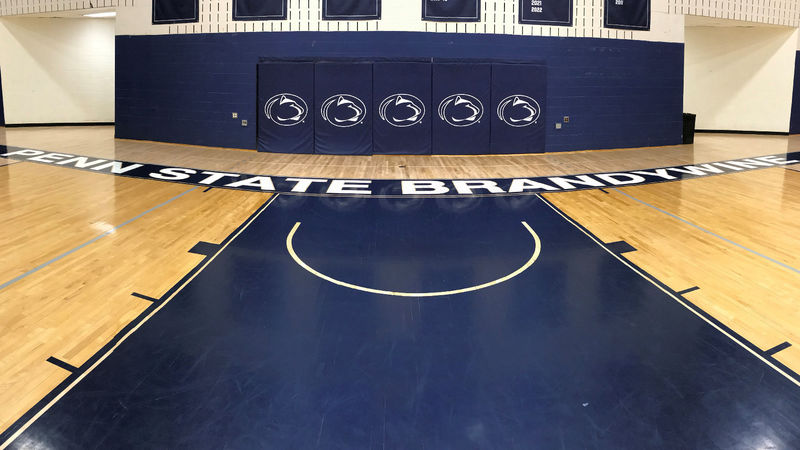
{"points": [[343, 110], [461, 110], [286, 109], [518, 110], [402, 110]]}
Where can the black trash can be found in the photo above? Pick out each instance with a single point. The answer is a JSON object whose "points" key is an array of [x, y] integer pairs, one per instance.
{"points": [[688, 128]]}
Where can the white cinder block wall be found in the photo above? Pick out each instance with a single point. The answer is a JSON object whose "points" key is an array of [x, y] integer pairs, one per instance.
{"points": [[498, 17], [57, 70], [740, 78]]}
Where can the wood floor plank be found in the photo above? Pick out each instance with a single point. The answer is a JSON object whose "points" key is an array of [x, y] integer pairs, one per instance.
{"points": [[74, 306], [750, 294]]}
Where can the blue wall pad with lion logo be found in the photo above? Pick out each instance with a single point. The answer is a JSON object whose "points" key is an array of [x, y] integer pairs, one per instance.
{"points": [[519, 92], [343, 124], [286, 100], [461, 95], [401, 101]]}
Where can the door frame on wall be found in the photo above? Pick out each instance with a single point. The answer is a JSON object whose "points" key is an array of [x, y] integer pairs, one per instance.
{"points": [[2, 109]]}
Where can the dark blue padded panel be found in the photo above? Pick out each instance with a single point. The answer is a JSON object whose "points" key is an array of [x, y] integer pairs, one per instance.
{"points": [[794, 121], [627, 14], [451, 10], [343, 104], [175, 11], [519, 98], [183, 88], [286, 107], [351, 9], [259, 9], [546, 12], [461, 98], [402, 108]]}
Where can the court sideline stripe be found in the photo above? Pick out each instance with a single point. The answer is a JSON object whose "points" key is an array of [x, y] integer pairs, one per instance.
{"points": [[90, 241], [683, 302], [129, 331], [785, 266]]}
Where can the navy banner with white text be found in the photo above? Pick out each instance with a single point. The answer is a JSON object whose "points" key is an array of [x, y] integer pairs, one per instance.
{"points": [[351, 9], [546, 12], [451, 10], [259, 9], [175, 11], [627, 14]]}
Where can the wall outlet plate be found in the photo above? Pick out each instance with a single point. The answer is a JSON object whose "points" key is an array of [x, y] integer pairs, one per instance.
{"points": [[566, 119], [244, 123], [235, 115], [558, 125]]}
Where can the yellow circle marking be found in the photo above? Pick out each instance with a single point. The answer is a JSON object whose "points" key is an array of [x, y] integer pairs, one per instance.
{"points": [[302, 264]]}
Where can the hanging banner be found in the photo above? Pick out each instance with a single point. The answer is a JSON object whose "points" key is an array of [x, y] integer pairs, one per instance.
{"points": [[259, 9], [402, 103], [627, 14], [351, 9], [451, 10], [546, 12], [175, 11]]}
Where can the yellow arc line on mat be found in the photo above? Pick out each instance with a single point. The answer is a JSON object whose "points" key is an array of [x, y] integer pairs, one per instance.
{"points": [[302, 264]]}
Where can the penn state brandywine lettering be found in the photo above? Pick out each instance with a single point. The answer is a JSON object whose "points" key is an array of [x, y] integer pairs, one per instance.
{"points": [[399, 188]]}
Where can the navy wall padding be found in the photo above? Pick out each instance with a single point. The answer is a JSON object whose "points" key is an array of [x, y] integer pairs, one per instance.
{"points": [[546, 12], [343, 104], [286, 107], [351, 9], [259, 9], [461, 99], [519, 96], [451, 10], [182, 88], [630, 15], [175, 11], [794, 121], [402, 108]]}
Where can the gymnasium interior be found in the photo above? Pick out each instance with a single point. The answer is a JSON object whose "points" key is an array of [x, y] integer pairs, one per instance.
{"points": [[400, 224]]}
